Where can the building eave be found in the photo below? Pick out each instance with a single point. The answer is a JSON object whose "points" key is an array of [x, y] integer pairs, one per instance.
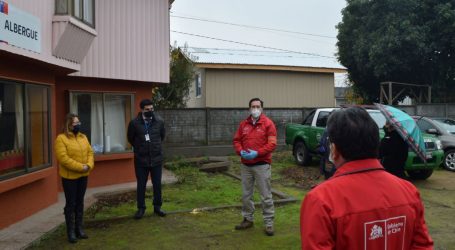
{"points": [[269, 67]]}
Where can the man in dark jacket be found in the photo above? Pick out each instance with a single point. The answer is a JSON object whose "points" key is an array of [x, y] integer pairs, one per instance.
{"points": [[146, 133], [393, 152], [326, 167]]}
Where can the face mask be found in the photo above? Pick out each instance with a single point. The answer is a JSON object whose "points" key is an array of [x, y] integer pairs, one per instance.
{"points": [[148, 114], [255, 113], [76, 129]]}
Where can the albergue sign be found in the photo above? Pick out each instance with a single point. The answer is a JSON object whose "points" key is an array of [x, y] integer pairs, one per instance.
{"points": [[19, 28]]}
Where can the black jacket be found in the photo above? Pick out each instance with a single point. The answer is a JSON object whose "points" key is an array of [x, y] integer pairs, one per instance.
{"points": [[393, 152], [147, 153]]}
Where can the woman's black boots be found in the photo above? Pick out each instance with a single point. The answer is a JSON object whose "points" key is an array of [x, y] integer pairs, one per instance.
{"points": [[80, 234], [70, 230]]}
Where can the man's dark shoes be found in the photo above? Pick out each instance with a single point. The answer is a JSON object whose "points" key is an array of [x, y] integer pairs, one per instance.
{"points": [[244, 225], [139, 214], [269, 231], [159, 212]]}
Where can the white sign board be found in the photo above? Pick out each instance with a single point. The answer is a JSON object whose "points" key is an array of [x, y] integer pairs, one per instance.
{"points": [[19, 28]]}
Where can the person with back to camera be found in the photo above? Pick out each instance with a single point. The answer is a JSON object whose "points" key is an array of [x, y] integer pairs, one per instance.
{"points": [[362, 206], [76, 161]]}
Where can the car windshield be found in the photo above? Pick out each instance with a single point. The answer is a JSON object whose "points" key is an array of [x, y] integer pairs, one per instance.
{"points": [[446, 125], [378, 117]]}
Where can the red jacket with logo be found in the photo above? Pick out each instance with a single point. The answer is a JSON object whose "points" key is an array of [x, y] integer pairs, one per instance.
{"points": [[363, 207], [260, 136]]}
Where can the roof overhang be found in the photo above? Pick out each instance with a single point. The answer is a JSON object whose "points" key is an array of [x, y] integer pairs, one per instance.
{"points": [[269, 67]]}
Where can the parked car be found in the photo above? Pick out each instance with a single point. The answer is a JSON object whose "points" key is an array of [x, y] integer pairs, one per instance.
{"points": [[444, 129], [305, 138]]}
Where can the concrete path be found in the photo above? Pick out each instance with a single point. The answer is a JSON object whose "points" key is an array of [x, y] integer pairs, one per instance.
{"points": [[23, 233]]}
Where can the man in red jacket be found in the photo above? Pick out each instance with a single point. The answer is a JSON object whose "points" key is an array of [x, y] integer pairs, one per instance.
{"points": [[361, 206], [254, 141]]}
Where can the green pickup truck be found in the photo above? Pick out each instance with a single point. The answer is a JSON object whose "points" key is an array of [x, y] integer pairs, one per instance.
{"points": [[305, 138]]}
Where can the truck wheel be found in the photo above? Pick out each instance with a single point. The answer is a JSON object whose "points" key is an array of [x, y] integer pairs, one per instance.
{"points": [[449, 160], [301, 154], [421, 174]]}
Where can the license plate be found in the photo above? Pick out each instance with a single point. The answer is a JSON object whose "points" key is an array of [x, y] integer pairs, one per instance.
{"points": [[429, 155]]}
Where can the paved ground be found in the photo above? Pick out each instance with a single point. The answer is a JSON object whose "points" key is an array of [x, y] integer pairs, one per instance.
{"points": [[22, 233]]}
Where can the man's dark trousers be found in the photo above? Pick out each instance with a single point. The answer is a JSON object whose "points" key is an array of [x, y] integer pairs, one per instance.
{"points": [[142, 174]]}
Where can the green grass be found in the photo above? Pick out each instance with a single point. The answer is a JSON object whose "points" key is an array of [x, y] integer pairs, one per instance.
{"points": [[215, 229]]}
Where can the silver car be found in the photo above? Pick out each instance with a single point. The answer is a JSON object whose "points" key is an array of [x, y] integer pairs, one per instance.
{"points": [[444, 129]]}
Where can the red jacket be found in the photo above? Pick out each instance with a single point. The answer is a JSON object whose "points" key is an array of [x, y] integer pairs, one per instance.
{"points": [[260, 137], [363, 207]]}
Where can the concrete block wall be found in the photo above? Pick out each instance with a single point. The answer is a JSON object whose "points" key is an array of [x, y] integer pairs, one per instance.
{"points": [[216, 126], [431, 110], [184, 126], [201, 127]]}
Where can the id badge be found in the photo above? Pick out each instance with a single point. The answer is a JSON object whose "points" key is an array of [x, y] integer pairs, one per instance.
{"points": [[147, 137]]}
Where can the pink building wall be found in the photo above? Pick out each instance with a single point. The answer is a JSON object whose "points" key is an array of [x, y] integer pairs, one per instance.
{"points": [[132, 41]]}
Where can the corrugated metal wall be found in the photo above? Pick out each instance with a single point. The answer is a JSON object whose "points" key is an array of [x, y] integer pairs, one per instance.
{"points": [[234, 88], [132, 41]]}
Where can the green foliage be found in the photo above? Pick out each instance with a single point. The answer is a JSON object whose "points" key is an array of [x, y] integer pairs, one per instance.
{"points": [[411, 41], [175, 94]]}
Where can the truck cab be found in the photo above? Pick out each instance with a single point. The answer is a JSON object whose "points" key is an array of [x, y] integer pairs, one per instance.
{"points": [[305, 138]]}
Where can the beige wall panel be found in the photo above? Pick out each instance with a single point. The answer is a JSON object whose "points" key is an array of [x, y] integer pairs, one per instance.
{"points": [[234, 88]]}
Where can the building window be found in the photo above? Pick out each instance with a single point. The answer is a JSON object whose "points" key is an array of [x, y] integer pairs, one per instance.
{"points": [[83, 10], [105, 118], [198, 84], [25, 126]]}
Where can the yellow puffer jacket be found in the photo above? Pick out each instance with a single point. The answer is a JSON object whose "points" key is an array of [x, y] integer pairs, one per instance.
{"points": [[72, 153]]}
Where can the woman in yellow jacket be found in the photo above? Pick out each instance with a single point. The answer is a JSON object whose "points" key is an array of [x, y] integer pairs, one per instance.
{"points": [[75, 157]]}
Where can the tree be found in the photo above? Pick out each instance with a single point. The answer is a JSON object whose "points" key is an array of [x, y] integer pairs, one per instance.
{"points": [[175, 94], [409, 41]]}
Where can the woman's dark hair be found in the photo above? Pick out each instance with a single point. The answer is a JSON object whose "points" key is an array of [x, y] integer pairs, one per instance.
{"points": [[256, 99], [68, 123], [354, 133]]}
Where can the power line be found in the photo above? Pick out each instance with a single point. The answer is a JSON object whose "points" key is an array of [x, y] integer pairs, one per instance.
{"points": [[252, 27], [257, 53], [250, 44]]}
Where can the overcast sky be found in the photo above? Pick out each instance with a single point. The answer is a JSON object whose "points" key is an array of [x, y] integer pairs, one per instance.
{"points": [[311, 21]]}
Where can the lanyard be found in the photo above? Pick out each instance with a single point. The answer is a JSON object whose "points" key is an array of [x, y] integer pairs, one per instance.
{"points": [[147, 126]]}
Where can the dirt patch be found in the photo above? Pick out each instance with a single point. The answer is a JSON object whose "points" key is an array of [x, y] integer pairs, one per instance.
{"points": [[110, 200], [303, 177]]}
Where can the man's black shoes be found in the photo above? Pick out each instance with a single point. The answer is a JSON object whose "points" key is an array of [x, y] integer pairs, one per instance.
{"points": [[141, 211], [159, 212], [139, 214]]}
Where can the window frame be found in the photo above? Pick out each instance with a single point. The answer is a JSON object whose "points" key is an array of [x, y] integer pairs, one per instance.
{"points": [[311, 114], [132, 97], [70, 10], [27, 131], [322, 115], [198, 84]]}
